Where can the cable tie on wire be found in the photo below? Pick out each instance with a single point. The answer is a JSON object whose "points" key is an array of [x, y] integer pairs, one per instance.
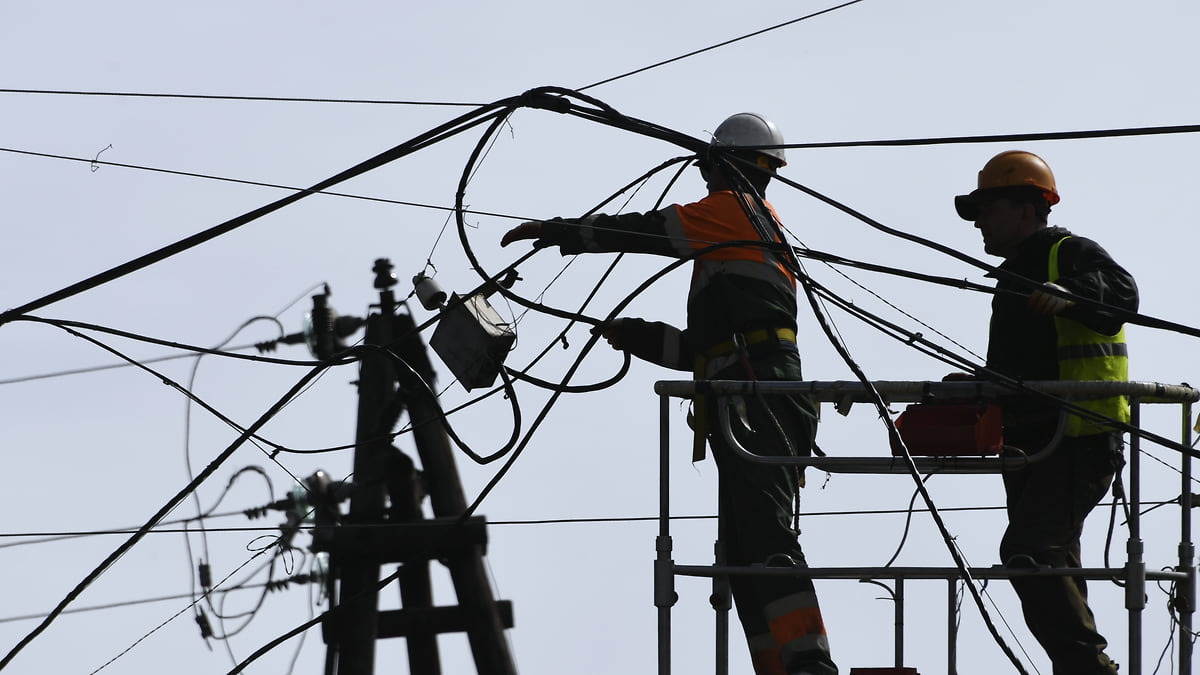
{"points": [[205, 627], [540, 99]]}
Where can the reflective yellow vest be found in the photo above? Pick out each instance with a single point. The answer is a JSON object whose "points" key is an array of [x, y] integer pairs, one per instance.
{"points": [[1084, 354]]}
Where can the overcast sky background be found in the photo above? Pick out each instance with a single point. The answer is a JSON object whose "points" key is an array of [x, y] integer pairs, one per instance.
{"points": [[104, 450]]}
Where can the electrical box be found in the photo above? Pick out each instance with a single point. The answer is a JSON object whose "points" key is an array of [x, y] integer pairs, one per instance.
{"points": [[950, 429], [472, 340]]}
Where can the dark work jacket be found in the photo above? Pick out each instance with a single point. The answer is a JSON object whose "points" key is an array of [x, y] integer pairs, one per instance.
{"points": [[1022, 344], [736, 289]]}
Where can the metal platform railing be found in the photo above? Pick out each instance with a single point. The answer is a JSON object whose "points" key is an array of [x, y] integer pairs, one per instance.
{"points": [[844, 394]]}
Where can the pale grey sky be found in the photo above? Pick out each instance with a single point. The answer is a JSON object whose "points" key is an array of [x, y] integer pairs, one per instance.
{"points": [[105, 450]]}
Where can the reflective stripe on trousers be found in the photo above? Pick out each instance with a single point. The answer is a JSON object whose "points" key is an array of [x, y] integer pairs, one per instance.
{"points": [[796, 627]]}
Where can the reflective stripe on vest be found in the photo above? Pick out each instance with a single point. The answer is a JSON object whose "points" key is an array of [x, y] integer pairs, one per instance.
{"points": [[720, 218], [1084, 354]]}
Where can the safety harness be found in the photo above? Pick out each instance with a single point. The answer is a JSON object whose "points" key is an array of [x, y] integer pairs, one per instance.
{"points": [[741, 348]]}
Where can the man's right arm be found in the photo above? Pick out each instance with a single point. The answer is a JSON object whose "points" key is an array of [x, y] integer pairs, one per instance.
{"points": [[1087, 270], [599, 233]]}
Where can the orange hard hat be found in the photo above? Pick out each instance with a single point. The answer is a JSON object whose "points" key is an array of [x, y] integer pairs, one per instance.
{"points": [[1009, 169]]}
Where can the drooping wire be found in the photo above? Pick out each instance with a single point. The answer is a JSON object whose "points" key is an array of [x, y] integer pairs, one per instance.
{"points": [[157, 628], [435, 135], [70, 327], [187, 438], [159, 359], [920, 343], [907, 524], [68, 323], [523, 374], [887, 302], [187, 434], [208, 559], [161, 513], [409, 375], [594, 337], [450, 215], [997, 272]]}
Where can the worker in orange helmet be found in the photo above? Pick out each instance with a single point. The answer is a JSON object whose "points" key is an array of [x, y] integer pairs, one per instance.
{"points": [[741, 324], [1039, 331]]}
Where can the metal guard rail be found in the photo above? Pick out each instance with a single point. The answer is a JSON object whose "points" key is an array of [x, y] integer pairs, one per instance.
{"points": [[846, 393]]}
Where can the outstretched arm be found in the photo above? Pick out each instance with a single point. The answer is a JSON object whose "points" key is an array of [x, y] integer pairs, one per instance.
{"points": [[652, 341], [528, 230]]}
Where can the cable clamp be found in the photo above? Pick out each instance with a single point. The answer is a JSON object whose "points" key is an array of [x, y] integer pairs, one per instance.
{"points": [[540, 99]]}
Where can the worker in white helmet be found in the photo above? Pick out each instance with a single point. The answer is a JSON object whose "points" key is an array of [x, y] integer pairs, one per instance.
{"points": [[741, 324]]}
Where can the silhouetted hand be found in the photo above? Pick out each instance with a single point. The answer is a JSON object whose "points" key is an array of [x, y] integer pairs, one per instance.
{"points": [[621, 333], [1047, 304], [528, 230]]}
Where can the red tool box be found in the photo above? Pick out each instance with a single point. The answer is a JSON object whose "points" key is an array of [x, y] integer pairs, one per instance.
{"points": [[950, 429]]}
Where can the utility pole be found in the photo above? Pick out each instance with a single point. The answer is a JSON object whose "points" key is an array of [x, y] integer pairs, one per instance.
{"points": [[357, 596], [385, 522], [485, 622]]}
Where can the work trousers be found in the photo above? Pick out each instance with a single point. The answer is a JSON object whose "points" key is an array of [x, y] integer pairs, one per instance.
{"points": [[779, 614], [1047, 504]]}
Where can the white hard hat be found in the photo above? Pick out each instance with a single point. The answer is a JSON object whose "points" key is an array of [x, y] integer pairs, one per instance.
{"points": [[751, 130]]}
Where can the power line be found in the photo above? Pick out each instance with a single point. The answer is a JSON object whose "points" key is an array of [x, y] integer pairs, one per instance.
{"points": [[49, 537], [146, 601], [169, 619], [435, 135], [225, 97], [160, 514], [1007, 138], [111, 366], [239, 181], [362, 101], [55, 536], [65, 534], [718, 45]]}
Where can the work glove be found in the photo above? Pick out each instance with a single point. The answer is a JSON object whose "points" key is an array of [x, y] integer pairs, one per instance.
{"points": [[1047, 304], [531, 229], [624, 334]]}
